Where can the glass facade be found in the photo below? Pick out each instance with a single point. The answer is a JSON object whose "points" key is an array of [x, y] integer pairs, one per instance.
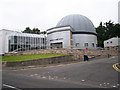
{"points": [[22, 43]]}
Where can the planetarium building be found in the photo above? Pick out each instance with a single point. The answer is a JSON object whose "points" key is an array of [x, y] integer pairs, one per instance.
{"points": [[72, 31]]}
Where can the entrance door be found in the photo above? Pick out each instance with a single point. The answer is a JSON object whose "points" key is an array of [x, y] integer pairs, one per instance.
{"points": [[56, 45]]}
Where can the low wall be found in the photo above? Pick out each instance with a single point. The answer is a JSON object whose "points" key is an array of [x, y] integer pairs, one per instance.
{"points": [[78, 54], [44, 61], [74, 55]]}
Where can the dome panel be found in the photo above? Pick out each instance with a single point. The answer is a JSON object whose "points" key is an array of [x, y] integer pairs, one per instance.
{"points": [[78, 22]]}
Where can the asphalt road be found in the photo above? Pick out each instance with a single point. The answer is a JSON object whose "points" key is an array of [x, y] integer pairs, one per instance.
{"points": [[90, 74]]}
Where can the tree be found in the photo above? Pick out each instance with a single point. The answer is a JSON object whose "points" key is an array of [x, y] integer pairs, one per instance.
{"points": [[33, 31], [106, 31], [44, 32], [100, 34], [27, 30], [36, 31]]}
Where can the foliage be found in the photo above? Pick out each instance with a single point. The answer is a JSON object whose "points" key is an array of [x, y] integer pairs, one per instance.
{"points": [[27, 30], [33, 31], [19, 58], [44, 32], [106, 31], [36, 31]]}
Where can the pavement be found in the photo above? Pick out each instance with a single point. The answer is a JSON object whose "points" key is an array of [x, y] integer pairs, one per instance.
{"points": [[89, 74]]}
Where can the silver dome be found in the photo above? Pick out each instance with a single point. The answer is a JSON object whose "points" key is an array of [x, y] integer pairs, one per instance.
{"points": [[79, 23]]}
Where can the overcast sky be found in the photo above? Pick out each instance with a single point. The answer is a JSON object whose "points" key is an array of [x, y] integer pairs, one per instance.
{"points": [[44, 14]]}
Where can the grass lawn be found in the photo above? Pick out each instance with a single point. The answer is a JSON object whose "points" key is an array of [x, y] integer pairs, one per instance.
{"points": [[28, 57]]}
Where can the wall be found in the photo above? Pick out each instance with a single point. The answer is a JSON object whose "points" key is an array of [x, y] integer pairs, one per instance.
{"points": [[77, 54], [119, 12], [45, 61], [4, 40], [72, 55], [84, 38], [1, 43], [62, 36], [111, 42]]}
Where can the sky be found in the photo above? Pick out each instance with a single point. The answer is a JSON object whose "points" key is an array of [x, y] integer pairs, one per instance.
{"points": [[16, 15]]}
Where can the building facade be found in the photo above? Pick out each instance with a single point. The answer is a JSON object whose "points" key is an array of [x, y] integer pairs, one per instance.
{"points": [[12, 41], [112, 43], [59, 37], [119, 12], [72, 31]]}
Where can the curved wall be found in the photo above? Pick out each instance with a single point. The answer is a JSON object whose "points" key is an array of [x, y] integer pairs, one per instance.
{"points": [[79, 41], [59, 37]]}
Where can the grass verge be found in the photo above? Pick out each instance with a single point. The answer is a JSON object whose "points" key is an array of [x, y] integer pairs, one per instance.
{"points": [[28, 57]]}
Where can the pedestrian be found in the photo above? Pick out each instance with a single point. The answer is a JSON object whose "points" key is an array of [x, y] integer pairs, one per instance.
{"points": [[85, 55], [86, 58]]}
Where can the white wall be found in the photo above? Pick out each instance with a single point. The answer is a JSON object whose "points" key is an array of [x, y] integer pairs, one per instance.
{"points": [[1, 43], [64, 37], [4, 34], [119, 12], [4, 37], [111, 42], [84, 38], [81, 39]]}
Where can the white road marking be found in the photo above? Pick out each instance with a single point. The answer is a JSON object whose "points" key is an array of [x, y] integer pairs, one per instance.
{"points": [[82, 80], [64, 78], [35, 74], [118, 84], [113, 86], [104, 83], [100, 84], [44, 77], [9, 86]]}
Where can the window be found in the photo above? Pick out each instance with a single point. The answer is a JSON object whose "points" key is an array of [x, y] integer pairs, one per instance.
{"points": [[15, 39], [43, 40], [93, 45], [86, 44], [77, 44], [107, 42], [9, 45], [111, 42]]}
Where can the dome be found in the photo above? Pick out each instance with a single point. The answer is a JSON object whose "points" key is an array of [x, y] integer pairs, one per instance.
{"points": [[79, 23]]}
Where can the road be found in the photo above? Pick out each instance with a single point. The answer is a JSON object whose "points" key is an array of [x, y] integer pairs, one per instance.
{"points": [[89, 74]]}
